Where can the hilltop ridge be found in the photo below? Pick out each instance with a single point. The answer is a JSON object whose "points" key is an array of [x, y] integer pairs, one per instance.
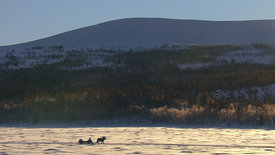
{"points": [[154, 32]]}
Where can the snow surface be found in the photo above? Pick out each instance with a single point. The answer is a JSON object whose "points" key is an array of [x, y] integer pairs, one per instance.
{"points": [[136, 140]]}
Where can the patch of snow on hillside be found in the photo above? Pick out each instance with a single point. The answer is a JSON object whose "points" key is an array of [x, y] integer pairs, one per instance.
{"points": [[260, 92], [72, 59], [194, 66], [248, 56]]}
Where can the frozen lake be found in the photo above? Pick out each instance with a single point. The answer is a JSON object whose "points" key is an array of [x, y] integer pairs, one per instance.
{"points": [[136, 140]]}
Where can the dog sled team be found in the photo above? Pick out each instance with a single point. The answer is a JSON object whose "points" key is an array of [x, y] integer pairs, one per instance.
{"points": [[89, 141]]}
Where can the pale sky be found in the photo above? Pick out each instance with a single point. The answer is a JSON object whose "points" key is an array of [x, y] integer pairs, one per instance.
{"points": [[27, 20]]}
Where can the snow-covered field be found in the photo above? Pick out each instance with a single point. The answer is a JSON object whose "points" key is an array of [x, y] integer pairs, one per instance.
{"points": [[136, 140]]}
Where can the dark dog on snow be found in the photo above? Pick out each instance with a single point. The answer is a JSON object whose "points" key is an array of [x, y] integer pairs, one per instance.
{"points": [[85, 142], [101, 140]]}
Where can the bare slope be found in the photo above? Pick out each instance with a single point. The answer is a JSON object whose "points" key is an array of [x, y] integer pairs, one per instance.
{"points": [[151, 32]]}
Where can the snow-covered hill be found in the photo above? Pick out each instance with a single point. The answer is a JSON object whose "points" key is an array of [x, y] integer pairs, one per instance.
{"points": [[87, 47], [153, 32]]}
